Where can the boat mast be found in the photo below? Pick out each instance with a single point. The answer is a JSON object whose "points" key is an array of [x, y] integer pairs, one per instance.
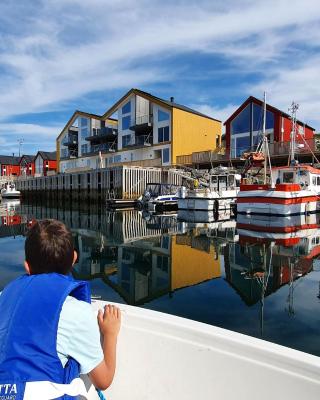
{"points": [[293, 111], [265, 144]]}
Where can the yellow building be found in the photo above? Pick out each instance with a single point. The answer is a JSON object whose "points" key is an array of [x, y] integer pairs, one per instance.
{"points": [[139, 129]]}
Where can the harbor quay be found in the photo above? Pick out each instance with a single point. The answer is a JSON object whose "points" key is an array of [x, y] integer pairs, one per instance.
{"points": [[123, 182]]}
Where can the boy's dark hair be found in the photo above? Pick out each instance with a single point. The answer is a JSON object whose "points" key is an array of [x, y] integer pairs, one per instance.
{"points": [[49, 247]]}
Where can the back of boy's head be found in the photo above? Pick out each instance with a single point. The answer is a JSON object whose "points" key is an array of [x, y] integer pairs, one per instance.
{"points": [[49, 247]]}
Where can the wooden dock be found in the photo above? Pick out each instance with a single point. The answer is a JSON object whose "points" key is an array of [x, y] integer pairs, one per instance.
{"points": [[123, 182]]}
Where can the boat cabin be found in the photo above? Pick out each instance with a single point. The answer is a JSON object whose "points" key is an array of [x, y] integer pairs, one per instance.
{"points": [[225, 181], [304, 175]]}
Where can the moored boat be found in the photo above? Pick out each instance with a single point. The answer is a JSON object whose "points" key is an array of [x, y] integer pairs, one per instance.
{"points": [[217, 195], [160, 197], [290, 190], [9, 191]]}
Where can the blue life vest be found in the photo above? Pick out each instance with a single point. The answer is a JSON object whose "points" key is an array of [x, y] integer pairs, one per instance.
{"points": [[30, 309]]}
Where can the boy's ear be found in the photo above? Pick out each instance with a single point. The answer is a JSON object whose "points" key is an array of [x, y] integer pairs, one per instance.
{"points": [[75, 257], [27, 268]]}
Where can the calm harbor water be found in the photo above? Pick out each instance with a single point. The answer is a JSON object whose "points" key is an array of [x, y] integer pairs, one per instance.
{"points": [[220, 273]]}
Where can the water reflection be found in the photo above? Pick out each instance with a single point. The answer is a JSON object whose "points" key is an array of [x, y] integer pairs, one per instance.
{"points": [[247, 275]]}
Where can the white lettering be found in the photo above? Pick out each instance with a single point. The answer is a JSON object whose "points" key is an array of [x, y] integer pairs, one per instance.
{"points": [[13, 389], [7, 387]]}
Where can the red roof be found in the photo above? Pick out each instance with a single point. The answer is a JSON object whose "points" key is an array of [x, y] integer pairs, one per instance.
{"points": [[269, 108]]}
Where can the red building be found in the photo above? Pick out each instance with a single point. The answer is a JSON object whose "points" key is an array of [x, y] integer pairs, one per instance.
{"points": [[9, 165], [244, 128], [45, 161], [27, 165]]}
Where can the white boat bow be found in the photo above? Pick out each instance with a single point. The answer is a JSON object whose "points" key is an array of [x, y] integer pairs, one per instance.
{"points": [[161, 356]]}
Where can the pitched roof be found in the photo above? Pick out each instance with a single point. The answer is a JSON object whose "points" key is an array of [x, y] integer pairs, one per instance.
{"points": [[269, 108], [47, 155], [166, 103], [28, 158], [9, 160]]}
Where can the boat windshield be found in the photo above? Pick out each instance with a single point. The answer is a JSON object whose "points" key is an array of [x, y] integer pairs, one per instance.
{"points": [[159, 189]]}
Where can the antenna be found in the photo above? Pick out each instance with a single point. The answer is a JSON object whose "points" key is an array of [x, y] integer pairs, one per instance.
{"points": [[20, 142], [293, 111]]}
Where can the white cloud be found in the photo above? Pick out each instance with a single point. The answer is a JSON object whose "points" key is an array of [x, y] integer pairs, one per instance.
{"points": [[65, 49], [34, 136]]}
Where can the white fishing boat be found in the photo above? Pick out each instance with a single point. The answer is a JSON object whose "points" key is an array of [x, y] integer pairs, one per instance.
{"points": [[291, 190], [218, 194], [159, 197], [9, 191], [161, 356]]}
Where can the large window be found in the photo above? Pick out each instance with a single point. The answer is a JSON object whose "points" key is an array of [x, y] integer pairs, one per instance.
{"points": [[239, 145], [126, 122], [163, 134], [257, 118], [126, 108], [165, 156], [241, 123], [162, 116]]}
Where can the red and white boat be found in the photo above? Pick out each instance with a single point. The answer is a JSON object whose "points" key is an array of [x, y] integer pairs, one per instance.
{"points": [[291, 190], [296, 192]]}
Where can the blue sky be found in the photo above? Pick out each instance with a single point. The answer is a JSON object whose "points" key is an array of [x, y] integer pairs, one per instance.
{"points": [[60, 55]]}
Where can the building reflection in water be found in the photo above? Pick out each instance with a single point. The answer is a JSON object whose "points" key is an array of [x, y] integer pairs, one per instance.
{"points": [[148, 257], [144, 257]]}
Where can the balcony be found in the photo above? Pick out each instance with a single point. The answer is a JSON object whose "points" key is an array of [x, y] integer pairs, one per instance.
{"points": [[66, 154], [71, 141], [139, 141], [103, 135], [104, 148], [142, 124], [279, 149]]}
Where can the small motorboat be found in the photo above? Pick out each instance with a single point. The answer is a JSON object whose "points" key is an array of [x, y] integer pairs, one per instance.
{"points": [[162, 356], [160, 197], [9, 191]]}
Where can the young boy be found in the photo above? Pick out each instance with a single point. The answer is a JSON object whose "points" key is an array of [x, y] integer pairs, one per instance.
{"points": [[48, 334]]}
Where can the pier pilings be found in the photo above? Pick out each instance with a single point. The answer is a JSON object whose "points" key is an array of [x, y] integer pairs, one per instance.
{"points": [[121, 182]]}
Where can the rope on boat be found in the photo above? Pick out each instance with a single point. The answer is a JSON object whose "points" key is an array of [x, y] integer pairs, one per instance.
{"points": [[101, 395]]}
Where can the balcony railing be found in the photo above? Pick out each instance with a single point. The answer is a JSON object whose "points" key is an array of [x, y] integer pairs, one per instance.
{"points": [[70, 141], [139, 141], [71, 153], [105, 133], [105, 147], [142, 123], [278, 149]]}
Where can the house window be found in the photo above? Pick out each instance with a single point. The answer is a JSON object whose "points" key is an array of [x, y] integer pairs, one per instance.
{"points": [[163, 134], [126, 140], [165, 156], [257, 118], [241, 123], [163, 116], [83, 122], [126, 108], [126, 122]]}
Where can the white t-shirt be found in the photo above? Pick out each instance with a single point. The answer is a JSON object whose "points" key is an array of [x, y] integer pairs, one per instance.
{"points": [[78, 335]]}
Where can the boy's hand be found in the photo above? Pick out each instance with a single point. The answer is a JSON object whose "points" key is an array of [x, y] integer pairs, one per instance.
{"points": [[109, 320]]}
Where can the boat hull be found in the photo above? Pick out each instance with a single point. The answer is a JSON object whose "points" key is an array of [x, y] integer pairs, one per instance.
{"points": [[161, 356], [278, 203]]}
